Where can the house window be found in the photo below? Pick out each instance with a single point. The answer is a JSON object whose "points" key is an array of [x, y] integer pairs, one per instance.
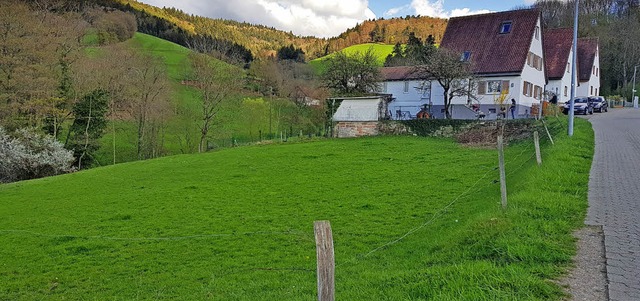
{"points": [[534, 61], [596, 92], [494, 86], [505, 27], [591, 90], [406, 87], [465, 56], [566, 89], [527, 89], [537, 92], [537, 33], [593, 70], [568, 67], [492, 111]]}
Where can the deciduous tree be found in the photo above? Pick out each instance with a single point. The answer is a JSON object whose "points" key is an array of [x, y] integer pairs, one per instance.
{"points": [[454, 75], [352, 74]]}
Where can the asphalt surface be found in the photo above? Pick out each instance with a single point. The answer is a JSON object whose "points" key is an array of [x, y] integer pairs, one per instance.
{"points": [[614, 198]]}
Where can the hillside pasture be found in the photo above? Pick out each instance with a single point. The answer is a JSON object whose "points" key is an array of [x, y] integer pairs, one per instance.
{"points": [[381, 51], [413, 219]]}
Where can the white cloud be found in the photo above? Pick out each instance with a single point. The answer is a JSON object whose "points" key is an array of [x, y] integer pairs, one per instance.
{"points": [[405, 9], [459, 12], [322, 18], [432, 9]]}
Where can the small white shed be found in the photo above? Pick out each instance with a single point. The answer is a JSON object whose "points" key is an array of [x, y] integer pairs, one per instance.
{"points": [[359, 116]]}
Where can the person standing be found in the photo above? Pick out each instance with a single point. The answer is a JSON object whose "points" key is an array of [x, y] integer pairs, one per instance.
{"points": [[512, 108]]}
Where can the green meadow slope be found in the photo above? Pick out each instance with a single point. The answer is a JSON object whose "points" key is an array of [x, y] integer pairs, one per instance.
{"points": [[413, 218], [381, 51]]}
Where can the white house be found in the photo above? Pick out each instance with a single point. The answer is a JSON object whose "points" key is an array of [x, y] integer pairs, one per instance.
{"points": [[507, 57], [506, 51], [588, 67], [558, 54], [410, 92]]}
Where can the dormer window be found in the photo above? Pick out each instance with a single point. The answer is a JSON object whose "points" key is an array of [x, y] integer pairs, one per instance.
{"points": [[466, 56], [505, 27]]}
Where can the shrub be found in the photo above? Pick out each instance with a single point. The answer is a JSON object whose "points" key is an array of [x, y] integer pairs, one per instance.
{"points": [[29, 155], [437, 127]]}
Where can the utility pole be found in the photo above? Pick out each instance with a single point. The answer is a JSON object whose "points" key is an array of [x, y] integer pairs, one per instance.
{"points": [[633, 88], [573, 70]]}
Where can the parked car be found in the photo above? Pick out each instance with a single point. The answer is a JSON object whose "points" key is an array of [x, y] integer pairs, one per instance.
{"points": [[599, 104], [581, 105]]}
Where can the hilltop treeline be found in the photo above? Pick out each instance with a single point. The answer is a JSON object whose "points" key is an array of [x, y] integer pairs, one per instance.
{"points": [[390, 31], [233, 38]]}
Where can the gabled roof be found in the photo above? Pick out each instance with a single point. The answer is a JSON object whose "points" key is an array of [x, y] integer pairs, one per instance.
{"points": [[557, 47], [587, 48], [401, 73], [493, 52]]}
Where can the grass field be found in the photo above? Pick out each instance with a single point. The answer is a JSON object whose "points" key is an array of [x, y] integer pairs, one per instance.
{"points": [[413, 219], [380, 50]]}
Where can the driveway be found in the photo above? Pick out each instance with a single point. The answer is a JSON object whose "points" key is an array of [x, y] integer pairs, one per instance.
{"points": [[614, 198]]}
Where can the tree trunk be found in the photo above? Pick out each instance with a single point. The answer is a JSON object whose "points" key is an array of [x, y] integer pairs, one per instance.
{"points": [[447, 103]]}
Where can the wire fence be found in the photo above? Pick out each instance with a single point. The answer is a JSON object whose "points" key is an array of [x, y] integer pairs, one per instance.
{"points": [[515, 164]]}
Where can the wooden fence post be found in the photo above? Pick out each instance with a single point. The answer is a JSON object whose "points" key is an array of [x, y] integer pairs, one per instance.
{"points": [[326, 260], [503, 180], [536, 142]]}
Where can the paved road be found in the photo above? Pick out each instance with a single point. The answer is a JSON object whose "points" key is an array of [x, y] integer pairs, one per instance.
{"points": [[614, 198]]}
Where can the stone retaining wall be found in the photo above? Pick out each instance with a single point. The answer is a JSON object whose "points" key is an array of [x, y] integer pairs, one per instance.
{"points": [[352, 129]]}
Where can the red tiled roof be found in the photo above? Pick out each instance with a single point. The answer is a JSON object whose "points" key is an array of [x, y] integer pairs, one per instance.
{"points": [[491, 51], [557, 47], [587, 48], [399, 73]]}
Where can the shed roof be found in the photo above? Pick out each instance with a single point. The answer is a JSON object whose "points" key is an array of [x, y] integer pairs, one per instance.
{"points": [[557, 47], [359, 109], [492, 51]]}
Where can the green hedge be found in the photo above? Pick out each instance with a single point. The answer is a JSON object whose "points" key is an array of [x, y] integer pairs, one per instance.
{"points": [[429, 127]]}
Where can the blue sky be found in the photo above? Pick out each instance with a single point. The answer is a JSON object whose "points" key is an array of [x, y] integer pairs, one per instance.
{"points": [[328, 18]]}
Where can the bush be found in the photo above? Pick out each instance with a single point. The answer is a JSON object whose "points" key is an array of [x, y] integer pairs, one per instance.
{"points": [[437, 127], [28, 155]]}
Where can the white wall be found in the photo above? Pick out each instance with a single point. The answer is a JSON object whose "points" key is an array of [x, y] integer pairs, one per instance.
{"points": [[592, 87], [412, 100]]}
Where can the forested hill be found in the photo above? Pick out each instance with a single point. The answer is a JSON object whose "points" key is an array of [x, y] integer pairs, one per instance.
{"points": [[174, 25], [390, 31]]}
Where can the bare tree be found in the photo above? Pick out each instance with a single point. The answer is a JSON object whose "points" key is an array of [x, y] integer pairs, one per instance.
{"points": [[216, 82], [454, 75], [146, 100]]}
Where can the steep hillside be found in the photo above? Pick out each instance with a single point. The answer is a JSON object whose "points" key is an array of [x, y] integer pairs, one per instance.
{"points": [[265, 41], [380, 50], [390, 31]]}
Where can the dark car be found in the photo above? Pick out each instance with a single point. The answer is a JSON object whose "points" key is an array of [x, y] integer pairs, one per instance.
{"points": [[581, 105], [599, 104]]}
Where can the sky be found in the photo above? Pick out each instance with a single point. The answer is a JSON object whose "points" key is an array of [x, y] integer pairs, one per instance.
{"points": [[329, 18]]}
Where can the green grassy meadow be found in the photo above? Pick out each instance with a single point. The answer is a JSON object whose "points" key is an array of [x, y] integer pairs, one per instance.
{"points": [[380, 50], [413, 219]]}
